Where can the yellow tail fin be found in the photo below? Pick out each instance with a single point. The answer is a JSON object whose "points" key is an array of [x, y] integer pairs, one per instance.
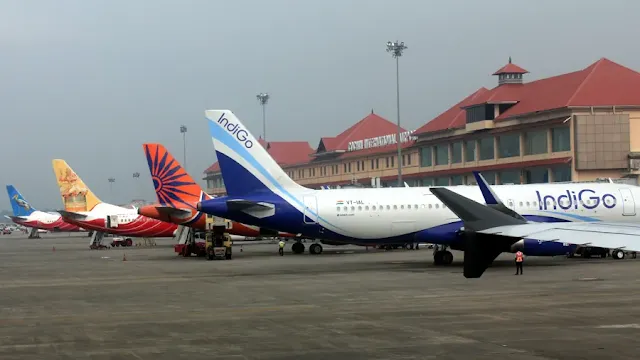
{"points": [[76, 196]]}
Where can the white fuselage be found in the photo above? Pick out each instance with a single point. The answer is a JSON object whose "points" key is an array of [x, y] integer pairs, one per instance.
{"points": [[379, 213]]}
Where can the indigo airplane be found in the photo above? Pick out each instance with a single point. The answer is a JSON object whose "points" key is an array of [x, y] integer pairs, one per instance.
{"points": [[26, 215], [260, 193]]}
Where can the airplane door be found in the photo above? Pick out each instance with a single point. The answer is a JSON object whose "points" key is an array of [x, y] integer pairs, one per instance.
{"points": [[310, 209], [628, 204]]}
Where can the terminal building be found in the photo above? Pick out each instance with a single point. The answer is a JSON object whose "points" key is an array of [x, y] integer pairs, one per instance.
{"points": [[578, 126]]}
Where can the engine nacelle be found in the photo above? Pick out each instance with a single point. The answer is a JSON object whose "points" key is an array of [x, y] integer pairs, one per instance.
{"points": [[542, 248]]}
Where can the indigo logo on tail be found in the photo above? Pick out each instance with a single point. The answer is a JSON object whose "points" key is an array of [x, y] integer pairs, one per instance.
{"points": [[235, 129], [571, 200]]}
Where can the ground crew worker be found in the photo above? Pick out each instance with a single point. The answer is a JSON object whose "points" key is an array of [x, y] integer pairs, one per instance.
{"points": [[519, 261], [281, 250]]}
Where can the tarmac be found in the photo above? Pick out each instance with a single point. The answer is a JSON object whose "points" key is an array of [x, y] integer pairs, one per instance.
{"points": [[60, 300]]}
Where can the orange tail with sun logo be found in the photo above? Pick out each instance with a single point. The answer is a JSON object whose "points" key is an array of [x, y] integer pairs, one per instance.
{"points": [[173, 186]]}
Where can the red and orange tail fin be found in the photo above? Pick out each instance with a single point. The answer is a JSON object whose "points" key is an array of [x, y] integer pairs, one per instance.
{"points": [[173, 186]]}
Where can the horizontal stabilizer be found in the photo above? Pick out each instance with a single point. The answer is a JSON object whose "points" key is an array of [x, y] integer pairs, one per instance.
{"points": [[72, 215], [174, 212], [240, 205], [16, 218]]}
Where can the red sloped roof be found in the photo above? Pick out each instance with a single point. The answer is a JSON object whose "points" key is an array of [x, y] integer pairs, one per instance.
{"points": [[603, 83], [283, 152], [510, 69], [453, 118], [371, 126], [290, 152]]}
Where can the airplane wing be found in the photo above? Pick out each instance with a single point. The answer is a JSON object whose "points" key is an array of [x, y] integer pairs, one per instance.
{"points": [[488, 230], [594, 234], [72, 215]]}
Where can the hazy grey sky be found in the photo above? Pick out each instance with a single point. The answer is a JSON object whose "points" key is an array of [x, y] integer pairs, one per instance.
{"points": [[90, 81]]}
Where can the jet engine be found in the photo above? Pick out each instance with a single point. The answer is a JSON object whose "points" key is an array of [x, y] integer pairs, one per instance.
{"points": [[542, 248]]}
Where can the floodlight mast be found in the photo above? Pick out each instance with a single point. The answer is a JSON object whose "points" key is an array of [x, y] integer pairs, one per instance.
{"points": [[396, 48], [263, 98]]}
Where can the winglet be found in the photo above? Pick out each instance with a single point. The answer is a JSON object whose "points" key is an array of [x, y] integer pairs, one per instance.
{"points": [[491, 199], [19, 205]]}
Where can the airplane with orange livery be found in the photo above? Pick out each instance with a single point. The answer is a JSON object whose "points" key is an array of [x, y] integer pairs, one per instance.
{"points": [[83, 208], [178, 194]]}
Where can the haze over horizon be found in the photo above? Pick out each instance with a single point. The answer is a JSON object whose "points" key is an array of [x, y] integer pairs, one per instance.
{"points": [[89, 82]]}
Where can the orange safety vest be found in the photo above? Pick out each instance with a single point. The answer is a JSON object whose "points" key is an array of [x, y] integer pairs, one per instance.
{"points": [[519, 257]]}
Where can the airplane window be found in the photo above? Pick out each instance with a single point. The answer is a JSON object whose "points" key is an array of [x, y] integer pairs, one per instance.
{"points": [[353, 208], [366, 208], [388, 207], [359, 208], [395, 207], [423, 206], [527, 203], [535, 203], [338, 209], [437, 206], [373, 207], [345, 208], [520, 203], [430, 206], [402, 207], [415, 206]]}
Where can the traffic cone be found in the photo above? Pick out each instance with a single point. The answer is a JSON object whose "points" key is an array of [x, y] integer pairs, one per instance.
{"points": [[124, 257]]}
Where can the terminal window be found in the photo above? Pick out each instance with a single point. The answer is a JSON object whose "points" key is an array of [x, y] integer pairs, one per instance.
{"points": [[561, 139], [442, 154], [470, 150], [486, 148], [535, 142], [456, 152], [509, 145], [425, 156]]}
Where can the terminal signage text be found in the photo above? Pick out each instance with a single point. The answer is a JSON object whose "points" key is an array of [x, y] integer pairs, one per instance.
{"points": [[380, 141]]}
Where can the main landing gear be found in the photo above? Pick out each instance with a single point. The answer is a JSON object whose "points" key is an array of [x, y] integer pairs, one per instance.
{"points": [[442, 256], [314, 249]]}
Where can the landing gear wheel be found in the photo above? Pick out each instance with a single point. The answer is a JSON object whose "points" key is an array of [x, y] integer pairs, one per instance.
{"points": [[447, 258], [297, 248], [443, 257], [315, 249], [129, 242], [618, 254], [210, 253]]}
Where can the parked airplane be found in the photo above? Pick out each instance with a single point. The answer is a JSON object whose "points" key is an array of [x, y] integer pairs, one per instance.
{"points": [[83, 208], [26, 215], [178, 194], [260, 193], [493, 228]]}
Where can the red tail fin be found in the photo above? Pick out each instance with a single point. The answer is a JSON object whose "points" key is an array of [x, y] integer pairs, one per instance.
{"points": [[173, 186]]}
